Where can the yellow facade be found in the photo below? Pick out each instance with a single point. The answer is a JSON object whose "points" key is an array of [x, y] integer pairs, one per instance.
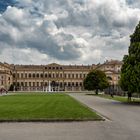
{"points": [[112, 70], [6, 78], [60, 77], [54, 76]]}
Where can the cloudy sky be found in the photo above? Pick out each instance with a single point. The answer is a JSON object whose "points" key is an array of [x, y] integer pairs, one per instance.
{"points": [[66, 31]]}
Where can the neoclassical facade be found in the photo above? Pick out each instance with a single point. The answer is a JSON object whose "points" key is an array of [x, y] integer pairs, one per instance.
{"points": [[112, 70], [59, 77], [6, 77], [54, 77]]}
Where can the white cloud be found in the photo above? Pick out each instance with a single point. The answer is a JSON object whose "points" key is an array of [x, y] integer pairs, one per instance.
{"points": [[67, 31]]}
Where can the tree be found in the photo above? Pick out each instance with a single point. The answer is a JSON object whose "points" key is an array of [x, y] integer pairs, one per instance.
{"points": [[130, 72], [96, 80]]}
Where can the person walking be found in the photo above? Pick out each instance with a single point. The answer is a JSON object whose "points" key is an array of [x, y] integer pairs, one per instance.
{"points": [[129, 96]]}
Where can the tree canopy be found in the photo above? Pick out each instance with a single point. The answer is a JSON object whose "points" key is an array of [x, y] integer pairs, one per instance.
{"points": [[130, 73], [96, 80]]}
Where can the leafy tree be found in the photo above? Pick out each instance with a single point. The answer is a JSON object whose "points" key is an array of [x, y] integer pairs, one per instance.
{"points": [[130, 73], [96, 80]]}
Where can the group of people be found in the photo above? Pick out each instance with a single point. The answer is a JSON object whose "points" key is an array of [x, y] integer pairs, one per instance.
{"points": [[3, 90]]}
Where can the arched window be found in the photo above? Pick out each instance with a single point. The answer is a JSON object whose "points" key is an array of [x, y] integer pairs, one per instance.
{"points": [[41, 75], [77, 84], [109, 78]]}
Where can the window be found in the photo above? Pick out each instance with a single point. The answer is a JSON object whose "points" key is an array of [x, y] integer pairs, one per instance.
{"points": [[84, 75], [25, 75], [41, 75], [37, 84], [18, 84], [72, 75], [109, 77], [49, 75], [29, 75], [25, 84], [80, 84], [46, 75], [30, 84], [22, 84], [37, 75], [45, 83], [33, 84], [33, 75], [69, 84], [41, 84], [21, 75], [60, 84], [60, 75], [57, 75]]}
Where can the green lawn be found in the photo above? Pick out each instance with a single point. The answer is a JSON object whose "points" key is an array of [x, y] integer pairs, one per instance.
{"points": [[119, 98], [43, 107]]}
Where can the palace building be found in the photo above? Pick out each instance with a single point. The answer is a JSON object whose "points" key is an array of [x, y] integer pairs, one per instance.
{"points": [[54, 77], [112, 70], [6, 77]]}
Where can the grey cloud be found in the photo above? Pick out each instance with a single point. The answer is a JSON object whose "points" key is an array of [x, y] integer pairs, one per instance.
{"points": [[69, 30], [133, 3]]}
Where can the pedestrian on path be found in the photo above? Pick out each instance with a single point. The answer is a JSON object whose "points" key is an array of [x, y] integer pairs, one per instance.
{"points": [[129, 96], [112, 95]]}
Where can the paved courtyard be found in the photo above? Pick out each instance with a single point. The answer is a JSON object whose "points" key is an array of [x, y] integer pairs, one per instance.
{"points": [[122, 123]]}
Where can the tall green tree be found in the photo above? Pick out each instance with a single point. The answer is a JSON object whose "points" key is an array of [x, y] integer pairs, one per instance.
{"points": [[130, 73], [96, 80]]}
